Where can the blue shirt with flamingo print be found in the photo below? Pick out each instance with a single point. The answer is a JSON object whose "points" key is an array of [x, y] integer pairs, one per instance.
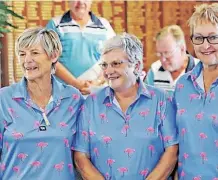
{"points": [[197, 121], [126, 145], [30, 149]]}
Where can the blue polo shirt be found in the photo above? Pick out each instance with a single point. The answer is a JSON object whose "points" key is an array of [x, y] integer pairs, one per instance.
{"points": [[30, 149], [126, 145], [197, 121], [81, 47]]}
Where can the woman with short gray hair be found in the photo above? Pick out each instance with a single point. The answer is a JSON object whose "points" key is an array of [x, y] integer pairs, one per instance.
{"points": [[125, 130], [38, 114]]}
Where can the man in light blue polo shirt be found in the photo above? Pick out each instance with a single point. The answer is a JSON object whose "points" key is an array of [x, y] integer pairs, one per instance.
{"points": [[81, 34]]}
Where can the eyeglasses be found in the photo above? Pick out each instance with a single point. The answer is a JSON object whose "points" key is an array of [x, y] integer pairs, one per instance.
{"points": [[197, 40], [114, 64], [167, 54]]}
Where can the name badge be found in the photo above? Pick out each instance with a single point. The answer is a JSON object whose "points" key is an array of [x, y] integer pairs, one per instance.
{"points": [[42, 128]]}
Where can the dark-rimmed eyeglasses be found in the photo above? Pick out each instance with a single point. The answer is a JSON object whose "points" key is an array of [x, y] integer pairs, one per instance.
{"points": [[114, 64], [197, 39]]}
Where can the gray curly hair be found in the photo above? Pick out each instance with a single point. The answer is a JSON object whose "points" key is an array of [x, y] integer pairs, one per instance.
{"points": [[131, 45]]}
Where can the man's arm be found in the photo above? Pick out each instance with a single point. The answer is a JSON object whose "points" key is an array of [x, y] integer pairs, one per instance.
{"points": [[62, 73], [85, 167], [165, 165]]}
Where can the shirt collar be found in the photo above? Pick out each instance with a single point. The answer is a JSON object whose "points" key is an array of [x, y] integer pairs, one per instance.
{"points": [[190, 65], [142, 91], [67, 18], [59, 90], [195, 71]]}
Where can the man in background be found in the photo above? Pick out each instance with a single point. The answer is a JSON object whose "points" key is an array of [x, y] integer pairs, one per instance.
{"points": [[174, 60], [81, 34]]}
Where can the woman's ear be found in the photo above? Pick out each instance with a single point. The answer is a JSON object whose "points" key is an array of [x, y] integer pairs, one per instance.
{"points": [[54, 56]]}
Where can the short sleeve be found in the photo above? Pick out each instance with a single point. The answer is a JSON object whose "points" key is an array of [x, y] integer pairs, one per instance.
{"points": [[51, 25], [150, 78], [82, 140], [110, 31], [168, 119]]}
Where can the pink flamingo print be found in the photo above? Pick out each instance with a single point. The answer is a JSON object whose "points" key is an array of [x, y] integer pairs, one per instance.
{"points": [[197, 178], [59, 167], [122, 170], [203, 157], [36, 164], [193, 97], [70, 167], [170, 99], [216, 143], [12, 113], [85, 135], [179, 164], [127, 119], [17, 99], [151, 149], [129, 152], [180, 86], [103, 117], [22, 156], [16, 169], [62, 125], [17, 135], [150, 130], [182, 174], [144, 113], [92, 133], [152, 93], [66, 142], [125, 129], [1, 136], [161, 103], [144, 172], [82, 107], [42, 145], [199, 116], [183, 132], [2, 167], [108, 105], [96, 152], [107, 139], [107, 176], [70, 109], [202, 137], [216, 178], [110, 162], [75, 96], [36, 125], [167, 138], [185, 156], [212, 96], [93, 95], [181, 112], [214, 119]]}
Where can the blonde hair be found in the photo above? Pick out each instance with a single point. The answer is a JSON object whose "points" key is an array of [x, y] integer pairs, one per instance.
{"points": [[203, 13], [175, 31], [130, 44], [48, 38]]}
